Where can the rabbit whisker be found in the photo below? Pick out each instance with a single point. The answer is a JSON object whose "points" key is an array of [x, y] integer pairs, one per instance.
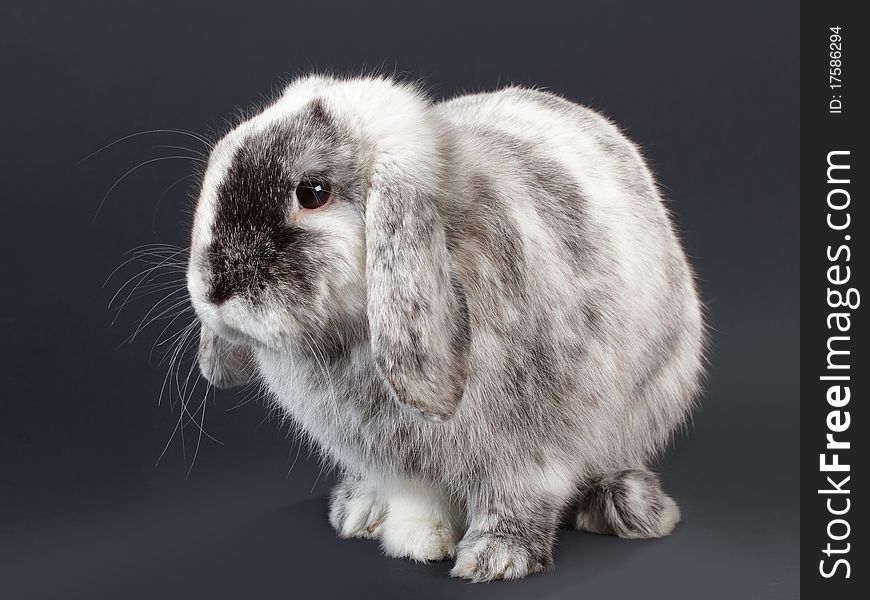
{"points": [[191, 134], [136, 168]]}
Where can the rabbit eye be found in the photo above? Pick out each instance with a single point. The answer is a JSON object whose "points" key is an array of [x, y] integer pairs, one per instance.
{"points": [[313, 193]]}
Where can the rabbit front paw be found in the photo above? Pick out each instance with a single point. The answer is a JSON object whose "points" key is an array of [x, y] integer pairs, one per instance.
{"points": [[355, 511]]}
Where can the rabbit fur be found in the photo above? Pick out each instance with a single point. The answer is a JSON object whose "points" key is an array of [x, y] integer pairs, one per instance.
{"points": [[490, 329]]}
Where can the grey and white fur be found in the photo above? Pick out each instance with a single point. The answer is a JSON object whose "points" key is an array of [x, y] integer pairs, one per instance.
{"points": [[490, 328]]}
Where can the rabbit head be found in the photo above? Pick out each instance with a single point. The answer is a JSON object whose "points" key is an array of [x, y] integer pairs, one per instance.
{"points": [[318, 228]]}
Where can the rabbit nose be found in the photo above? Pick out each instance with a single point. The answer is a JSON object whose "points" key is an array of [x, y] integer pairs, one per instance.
{"points": [[219, 294], [228, 282]]}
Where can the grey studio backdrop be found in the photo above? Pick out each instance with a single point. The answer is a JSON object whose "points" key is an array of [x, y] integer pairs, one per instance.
{"points": [[709, 90]]}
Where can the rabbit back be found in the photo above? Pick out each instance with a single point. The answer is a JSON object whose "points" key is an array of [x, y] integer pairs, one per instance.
{"points": [[585, 319]]}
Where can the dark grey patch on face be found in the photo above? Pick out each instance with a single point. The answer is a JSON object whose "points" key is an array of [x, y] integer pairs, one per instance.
{"points": [[257, 252], [255, 247]]}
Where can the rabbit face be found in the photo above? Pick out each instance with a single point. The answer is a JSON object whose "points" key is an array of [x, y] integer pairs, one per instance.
{"points": [[277, 250]]}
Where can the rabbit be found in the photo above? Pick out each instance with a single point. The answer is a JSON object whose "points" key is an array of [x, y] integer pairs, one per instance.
{"points": [[478, 309]]}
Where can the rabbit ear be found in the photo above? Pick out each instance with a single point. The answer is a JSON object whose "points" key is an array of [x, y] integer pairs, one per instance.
{"points": [[222, 363], [416, 308]]}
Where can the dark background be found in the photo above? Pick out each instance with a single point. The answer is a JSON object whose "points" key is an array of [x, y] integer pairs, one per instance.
{"points": [[710, 91]]}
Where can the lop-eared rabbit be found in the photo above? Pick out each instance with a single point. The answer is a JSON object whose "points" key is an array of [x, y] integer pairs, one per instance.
{"points": [[477, 308]]}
